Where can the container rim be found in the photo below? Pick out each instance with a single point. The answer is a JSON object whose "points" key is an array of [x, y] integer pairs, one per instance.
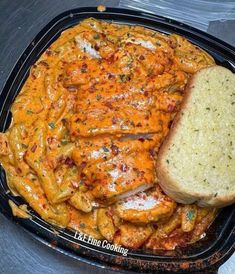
{"points": [[44, 233]]}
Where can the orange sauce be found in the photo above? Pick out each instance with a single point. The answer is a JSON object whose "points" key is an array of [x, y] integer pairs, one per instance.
{"points": [[86, 130]]}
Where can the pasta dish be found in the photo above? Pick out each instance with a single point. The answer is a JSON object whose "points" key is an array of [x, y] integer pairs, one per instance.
{"points": [[86, 129]]}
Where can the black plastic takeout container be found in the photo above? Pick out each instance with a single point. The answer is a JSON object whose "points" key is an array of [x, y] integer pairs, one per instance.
{"points": [[211, 251]]}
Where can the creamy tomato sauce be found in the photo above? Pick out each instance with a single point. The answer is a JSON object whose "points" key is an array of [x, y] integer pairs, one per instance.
{"points": [[86, 130]]}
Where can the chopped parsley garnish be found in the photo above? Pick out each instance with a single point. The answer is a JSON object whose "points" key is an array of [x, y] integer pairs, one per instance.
{"points": [[98, 97], [190, 215], [82, 225], [105, 149], [124, 78], [64, 142], [83, 70], [51, 125], [29, 112], [81, 183], [96, 36], [24, 146]]}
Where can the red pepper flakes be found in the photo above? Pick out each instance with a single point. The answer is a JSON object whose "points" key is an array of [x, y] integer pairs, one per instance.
{"points": [[115, 150], [124, 167], [33, 148]]}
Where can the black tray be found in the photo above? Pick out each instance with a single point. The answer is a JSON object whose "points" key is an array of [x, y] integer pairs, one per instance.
{"points": [[211, 251]]}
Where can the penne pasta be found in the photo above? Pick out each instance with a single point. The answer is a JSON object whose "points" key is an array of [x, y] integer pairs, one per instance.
{"points": [[34, 195], [86, 130]]}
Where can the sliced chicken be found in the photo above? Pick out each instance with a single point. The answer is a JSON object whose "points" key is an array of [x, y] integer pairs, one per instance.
{"points": [[119, 175], [101, 149], [146, 207], [111, 98], [125, 120]]}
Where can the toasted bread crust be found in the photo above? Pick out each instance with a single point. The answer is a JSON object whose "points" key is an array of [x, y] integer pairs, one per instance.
{"points": [[170, 185]]}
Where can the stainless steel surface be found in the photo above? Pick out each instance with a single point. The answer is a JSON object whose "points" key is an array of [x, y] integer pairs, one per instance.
{"points": [[20, 20]]}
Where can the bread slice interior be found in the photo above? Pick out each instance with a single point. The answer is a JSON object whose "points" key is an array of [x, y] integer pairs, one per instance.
{"points": [[196, 162]]}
